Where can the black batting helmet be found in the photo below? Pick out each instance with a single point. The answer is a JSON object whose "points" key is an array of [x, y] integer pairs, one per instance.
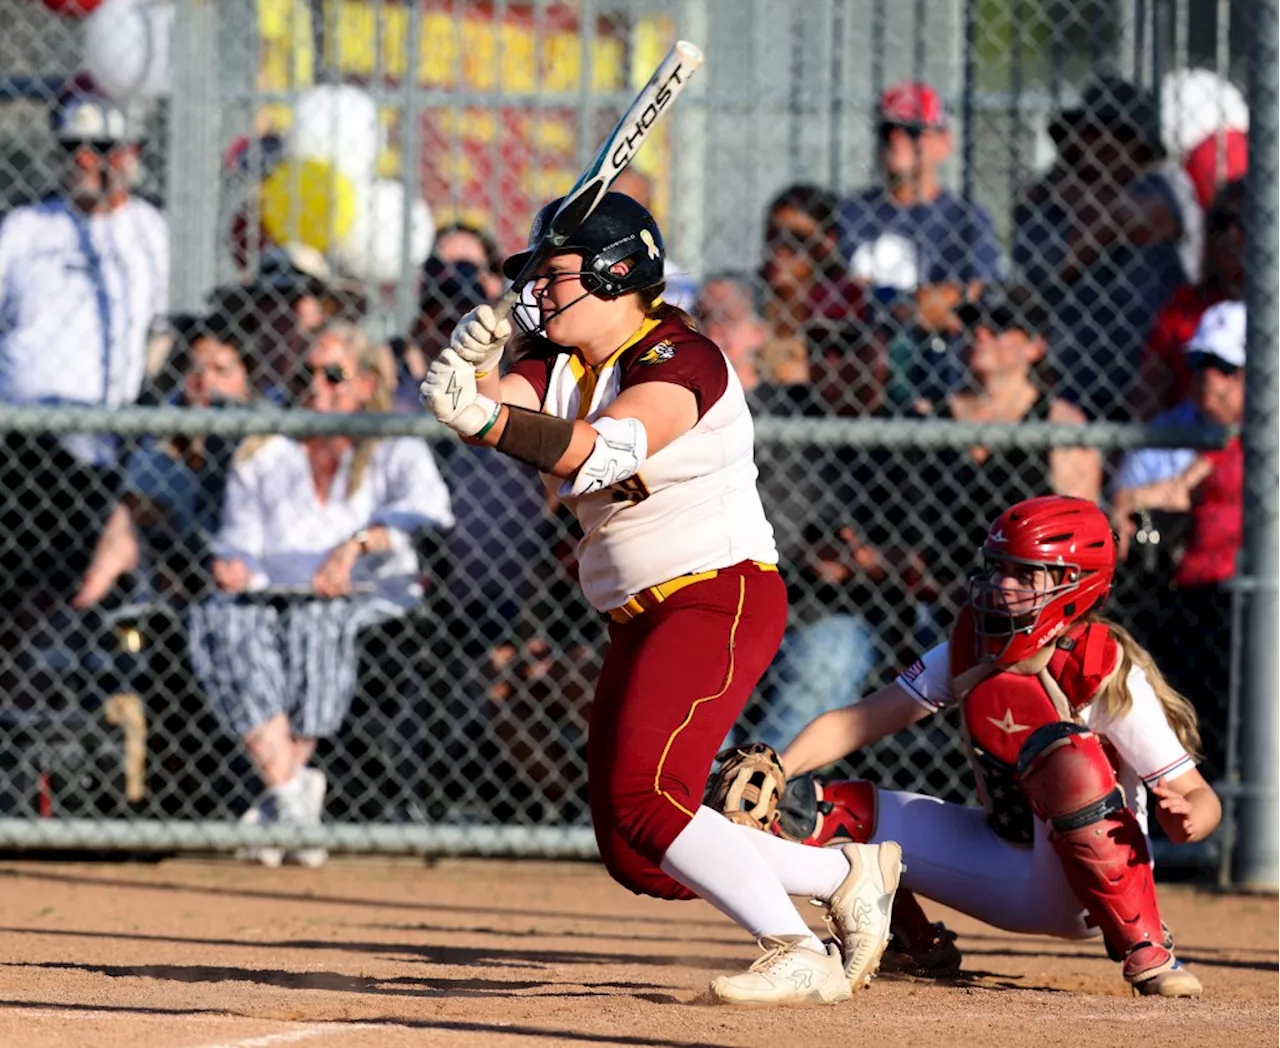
{"points": [[618, 230]]}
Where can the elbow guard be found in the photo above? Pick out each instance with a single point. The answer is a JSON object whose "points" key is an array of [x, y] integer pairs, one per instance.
{"points": [[619, 452]]}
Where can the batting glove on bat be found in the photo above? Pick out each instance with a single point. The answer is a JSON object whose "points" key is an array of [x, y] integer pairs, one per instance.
{"points": [[480, 338], [747, 786], [450, 392]]}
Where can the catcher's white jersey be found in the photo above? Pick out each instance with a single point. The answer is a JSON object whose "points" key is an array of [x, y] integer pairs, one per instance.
{"points": [[694, 505], [1146, 746]]}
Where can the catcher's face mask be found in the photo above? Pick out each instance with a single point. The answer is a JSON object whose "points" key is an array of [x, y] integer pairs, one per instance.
{"points": [[1009, 596]]}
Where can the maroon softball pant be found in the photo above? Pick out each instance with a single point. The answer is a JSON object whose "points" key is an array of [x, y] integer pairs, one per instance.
{"points": [[674, 681]]}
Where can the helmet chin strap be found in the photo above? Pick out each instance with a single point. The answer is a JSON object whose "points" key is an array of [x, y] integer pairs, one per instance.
{"points": [[544, 318]]}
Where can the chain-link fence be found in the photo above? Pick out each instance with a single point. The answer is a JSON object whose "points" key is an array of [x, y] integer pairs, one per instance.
{"points": [[958, 253]]}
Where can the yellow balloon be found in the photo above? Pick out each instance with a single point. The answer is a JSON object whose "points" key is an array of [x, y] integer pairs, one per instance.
{"points": [[309, 201]]}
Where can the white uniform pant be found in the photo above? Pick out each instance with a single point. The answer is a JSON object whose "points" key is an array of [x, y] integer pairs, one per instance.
{"points": [[953, 857]]}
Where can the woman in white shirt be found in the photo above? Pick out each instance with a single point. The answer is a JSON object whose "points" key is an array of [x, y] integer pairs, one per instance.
{"points": [[315, 545]]}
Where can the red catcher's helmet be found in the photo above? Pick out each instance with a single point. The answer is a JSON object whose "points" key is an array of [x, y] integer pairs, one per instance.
{"points": [[1068, 538]]}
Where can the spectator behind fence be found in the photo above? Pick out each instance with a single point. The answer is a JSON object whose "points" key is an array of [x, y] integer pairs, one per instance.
{"points": [[1107, 235], [918, 247], [463, 242], [1008, 381], [172, 489], [805, 281], [316, 544], [82, 274], [726, 312], [292, 296], [1208, 488], [448, 291], [1165, 379]]}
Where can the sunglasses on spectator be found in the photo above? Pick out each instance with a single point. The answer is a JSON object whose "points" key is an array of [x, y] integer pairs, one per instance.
{"points": [[1203, 361], [333, 374], [788, 236], [100, 146], [1222, 221], [912, 131]]}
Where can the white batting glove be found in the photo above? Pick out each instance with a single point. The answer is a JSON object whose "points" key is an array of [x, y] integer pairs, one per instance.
{"points": [[480, 338], [450, 392]]}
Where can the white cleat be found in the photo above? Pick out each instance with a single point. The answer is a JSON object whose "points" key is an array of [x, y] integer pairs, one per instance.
{"points": [[790, 972], [859, 909]]}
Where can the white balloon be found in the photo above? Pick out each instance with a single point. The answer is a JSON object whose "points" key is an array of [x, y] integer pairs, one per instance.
{"points": [[1195, 103], [127, 47], [338, 123], [373, 248]]}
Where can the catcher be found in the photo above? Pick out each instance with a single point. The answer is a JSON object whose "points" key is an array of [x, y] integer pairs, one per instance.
{"points": [[1069, 724]]}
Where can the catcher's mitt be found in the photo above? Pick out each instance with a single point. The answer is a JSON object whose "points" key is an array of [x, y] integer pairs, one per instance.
{"points": [[799, 809], [747, 785]]}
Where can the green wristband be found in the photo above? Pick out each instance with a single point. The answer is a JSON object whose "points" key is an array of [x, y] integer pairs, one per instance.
{"points": [[497, 411]]}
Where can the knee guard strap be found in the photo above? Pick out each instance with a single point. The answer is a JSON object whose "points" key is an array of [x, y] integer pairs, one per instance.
{"points": [[1067, 777]]}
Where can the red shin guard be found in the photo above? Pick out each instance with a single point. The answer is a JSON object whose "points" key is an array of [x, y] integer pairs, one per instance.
{"points": [[1071, 785]]}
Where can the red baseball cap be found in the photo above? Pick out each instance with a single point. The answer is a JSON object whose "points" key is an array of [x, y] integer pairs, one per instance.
{"points": [[1202, 163], [912, 103]]}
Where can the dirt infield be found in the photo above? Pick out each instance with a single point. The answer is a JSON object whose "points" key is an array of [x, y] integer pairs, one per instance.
{"points": [[210, 954]]}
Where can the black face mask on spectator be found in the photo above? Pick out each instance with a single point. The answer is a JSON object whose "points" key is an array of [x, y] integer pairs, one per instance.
{"points": [[449, 290]]}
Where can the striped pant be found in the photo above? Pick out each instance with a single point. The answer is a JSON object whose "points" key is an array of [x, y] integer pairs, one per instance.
{"points": [[256, 660]]}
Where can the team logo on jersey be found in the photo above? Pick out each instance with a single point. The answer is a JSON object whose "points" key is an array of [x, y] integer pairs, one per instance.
{"points": [[1007, 724], [649, 244], [664, 350]]}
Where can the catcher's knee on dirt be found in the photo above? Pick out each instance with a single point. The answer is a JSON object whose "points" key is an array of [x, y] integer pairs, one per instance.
{"points": [[1071, 785]]}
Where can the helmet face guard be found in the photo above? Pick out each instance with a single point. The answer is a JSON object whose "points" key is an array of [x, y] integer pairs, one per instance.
{"points": [[531, 317], [1013, 598]]}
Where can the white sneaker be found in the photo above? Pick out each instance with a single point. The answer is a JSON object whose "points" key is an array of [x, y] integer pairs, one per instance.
{"points": [[859, 909], [790, 972], [272, 858], [314, 786]]}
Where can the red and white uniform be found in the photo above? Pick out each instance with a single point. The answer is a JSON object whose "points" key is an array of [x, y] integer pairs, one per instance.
{"points": [[694, 505], [678, 673], [954, 855], [1145, 748]]}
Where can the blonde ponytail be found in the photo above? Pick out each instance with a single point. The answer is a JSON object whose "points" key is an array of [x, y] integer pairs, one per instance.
{"points": [[1114, 698]]}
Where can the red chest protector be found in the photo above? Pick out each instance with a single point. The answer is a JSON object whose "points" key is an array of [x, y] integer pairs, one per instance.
{"points": [[1001, 709]]}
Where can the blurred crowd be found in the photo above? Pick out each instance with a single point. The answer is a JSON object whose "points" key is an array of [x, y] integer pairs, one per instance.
{"points": [[293, 594]]}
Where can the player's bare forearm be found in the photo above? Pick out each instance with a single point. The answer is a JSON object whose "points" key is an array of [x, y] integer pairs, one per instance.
{"points": [[837, 733], [1196, 824], [489, 385]]}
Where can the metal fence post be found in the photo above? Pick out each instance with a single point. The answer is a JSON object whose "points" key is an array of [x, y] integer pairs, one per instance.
{"points": [[1256, 844], [193, 129]]}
